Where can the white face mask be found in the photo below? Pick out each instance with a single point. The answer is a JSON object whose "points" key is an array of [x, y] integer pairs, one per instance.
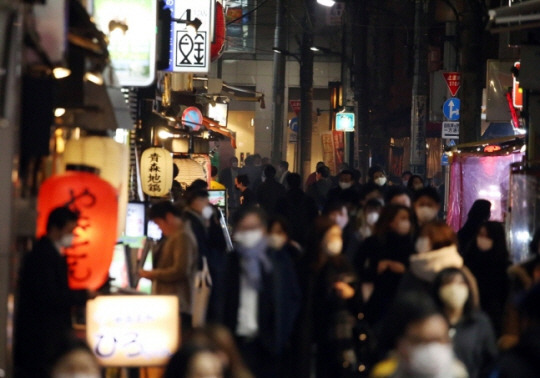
{"points": [[380, 181], [334, 247], [454, 295], [344, 185], [434, 360], [425, 213], [423, 244], [207, 212], [372, 218], [484, 244], [403, 227], [342, 220], [277, 241], [66, 240], [249, 238]]}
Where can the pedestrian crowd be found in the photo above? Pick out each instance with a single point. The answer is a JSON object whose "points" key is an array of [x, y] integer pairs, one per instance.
{"points": [[327, 278]]}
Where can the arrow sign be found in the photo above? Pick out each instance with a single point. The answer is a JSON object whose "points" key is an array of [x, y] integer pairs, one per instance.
{"points": [[453, 82], [451, 109]]}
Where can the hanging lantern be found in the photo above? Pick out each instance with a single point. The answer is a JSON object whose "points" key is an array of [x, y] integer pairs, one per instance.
{"points": [[111, 159], [217, 47], [96, 201], [156, 171]]}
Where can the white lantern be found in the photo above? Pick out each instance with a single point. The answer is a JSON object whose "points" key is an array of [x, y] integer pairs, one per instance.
{"points": [[156, 171], [110, 158]]}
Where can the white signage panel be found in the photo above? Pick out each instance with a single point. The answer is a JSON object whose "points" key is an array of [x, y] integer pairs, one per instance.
{"points": [[191, 50], [133, 330]]}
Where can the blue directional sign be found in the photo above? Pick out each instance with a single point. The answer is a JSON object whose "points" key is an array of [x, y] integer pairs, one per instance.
{"points": [[451, 109], [293, 124]]}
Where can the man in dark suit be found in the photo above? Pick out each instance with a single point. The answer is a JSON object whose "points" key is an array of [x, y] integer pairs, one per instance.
{"points": [[270, 191], [262, 295], [45, 301]]}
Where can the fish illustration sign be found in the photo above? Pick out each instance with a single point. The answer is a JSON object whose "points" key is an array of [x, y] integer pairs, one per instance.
{"points": [[190, 47]]}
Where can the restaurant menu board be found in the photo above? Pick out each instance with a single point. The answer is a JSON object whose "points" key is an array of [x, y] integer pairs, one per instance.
{"points": [[133, 330]]}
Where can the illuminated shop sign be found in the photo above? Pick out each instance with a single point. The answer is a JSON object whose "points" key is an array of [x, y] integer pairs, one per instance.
{"points": [[134, 330], [130, 26]]}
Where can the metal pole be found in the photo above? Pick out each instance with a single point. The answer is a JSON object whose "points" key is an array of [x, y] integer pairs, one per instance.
{"points": [[359, 29], [280, 41], [420, 89], [306, 91]]}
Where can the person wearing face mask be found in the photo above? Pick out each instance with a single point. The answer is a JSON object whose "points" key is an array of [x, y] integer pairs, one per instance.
{"points": [[261, 295], [426, 205], [488, 259], [279, 238], [479, 213], [456, 294], [383, 259], [204, 221], [174, 271], [377, 176], [414, 342], [346, 190], [45, 300], [368, 217], [331, 306], [338, 212], [436, 249]]}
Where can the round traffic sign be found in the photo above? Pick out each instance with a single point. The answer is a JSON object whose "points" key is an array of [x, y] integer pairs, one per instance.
{"points": [[192, 118]]}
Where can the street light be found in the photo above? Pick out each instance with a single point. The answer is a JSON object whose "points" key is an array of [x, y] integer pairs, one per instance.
{"points": [[326, 3]]}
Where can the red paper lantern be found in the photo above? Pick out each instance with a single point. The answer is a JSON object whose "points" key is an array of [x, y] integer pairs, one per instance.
{"points": [[217, 47], [96, 200]]}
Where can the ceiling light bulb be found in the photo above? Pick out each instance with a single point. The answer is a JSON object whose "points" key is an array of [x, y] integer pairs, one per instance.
{"points": [[326, 3], [95, 78], [164, 134], [61, 72], [59, 112]]}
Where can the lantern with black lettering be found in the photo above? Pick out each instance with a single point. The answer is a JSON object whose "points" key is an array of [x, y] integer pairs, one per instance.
{"points": [[156, 171], [90, 255]]}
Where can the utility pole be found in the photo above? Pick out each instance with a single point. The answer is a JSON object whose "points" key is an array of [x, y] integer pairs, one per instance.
{"points": [[306, 90], [472, 65], [359, 20], [419, 110], [280, 41]]}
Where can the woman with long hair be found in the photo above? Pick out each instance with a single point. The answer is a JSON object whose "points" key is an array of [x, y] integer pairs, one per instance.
{"points": [[488, 259], [384, 258]]}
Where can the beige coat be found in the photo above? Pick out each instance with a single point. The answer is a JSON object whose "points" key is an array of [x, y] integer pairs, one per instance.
{"points": [[176, 267]]}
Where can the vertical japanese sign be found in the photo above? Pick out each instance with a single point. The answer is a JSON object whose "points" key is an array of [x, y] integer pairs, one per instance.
{"points": [[190, 50], [418, 135], [333, 149]]}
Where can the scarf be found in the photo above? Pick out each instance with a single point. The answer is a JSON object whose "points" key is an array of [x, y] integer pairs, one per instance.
{"points": [[253, 261], [426, 265]]}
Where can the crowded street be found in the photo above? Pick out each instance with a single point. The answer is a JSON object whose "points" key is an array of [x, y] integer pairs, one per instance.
{"points": [[269, 189]]}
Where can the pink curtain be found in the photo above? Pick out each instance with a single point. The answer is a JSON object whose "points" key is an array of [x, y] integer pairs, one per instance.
{"points": [[475, 177]]}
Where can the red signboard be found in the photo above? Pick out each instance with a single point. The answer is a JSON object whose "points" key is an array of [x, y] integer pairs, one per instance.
{"points": [[453, 81], [295, 105]]}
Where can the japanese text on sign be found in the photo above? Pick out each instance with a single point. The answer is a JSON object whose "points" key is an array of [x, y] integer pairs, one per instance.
{"points": [[154, 174]]}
